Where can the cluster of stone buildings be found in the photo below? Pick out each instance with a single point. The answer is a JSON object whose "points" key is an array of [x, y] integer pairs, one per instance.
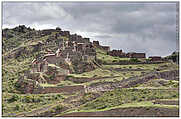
{"points": [[69, 48], [121, 54]]}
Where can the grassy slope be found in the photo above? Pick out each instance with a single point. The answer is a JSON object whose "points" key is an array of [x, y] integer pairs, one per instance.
{"points": [[12, 69], [127, 98], [15, 103], [102, 55]]}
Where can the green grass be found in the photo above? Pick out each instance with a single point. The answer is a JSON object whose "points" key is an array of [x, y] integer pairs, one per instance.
{"points": [[159, 83], [101, 55], [47, 85], [63, 37], [11, 71], [123, 96], [95, 73], [27, 102], [141, 66], [66, 83], [146, 104]]}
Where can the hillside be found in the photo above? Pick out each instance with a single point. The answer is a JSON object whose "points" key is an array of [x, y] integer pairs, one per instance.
{"points": [[54, 73]]}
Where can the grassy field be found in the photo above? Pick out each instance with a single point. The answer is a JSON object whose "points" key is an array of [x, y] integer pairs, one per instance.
{"points": [[15, 103], [124, 96], [146, 104], [102, 55]]}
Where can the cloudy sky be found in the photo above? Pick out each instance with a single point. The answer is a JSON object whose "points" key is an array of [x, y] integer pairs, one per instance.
{"points": [[140, 27]]}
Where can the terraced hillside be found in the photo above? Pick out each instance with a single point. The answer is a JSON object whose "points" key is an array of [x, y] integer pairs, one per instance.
{"points": [[109, 86]]}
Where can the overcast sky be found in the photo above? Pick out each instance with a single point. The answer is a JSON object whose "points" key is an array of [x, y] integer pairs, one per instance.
{"points": [[139, 27]]}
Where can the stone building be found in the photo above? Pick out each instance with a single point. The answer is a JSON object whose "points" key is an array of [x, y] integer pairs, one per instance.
{"points": [[39, 65], [62, 51], [136, 55], [95, 43], [47, 32], [66, 33], [106, 48], [117, 53], [155, 58], [86, 40]]}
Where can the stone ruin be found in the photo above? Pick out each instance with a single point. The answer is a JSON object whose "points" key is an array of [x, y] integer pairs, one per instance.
{"points": [[136, 55], [121, 54], [61, 53], [74, 48], [97, 45], [155, 58]]}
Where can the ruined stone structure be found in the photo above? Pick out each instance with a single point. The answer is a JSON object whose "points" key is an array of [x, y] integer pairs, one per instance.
{"points": [[74, 48], [65, 33], [121, 54], [136, 55], [105, 48], [96, 43], [155, 58], [117, 53]]}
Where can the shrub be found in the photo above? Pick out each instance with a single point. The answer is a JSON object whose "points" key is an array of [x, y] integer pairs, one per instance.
{"points": [[134, 60], [68, 77], [58, 107], [17, 107], [13, 98], [112, 74], [114, 61], [133, 98], [28, 99]]}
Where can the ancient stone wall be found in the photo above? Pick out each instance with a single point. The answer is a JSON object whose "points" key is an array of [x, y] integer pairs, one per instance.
{"points": [[64, 89], [65, 33], [57, 79], [155, 58], [117, 53], [136, 55], [96, 43]]}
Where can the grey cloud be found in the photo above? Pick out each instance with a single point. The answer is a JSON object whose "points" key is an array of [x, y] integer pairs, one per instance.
{"points": [[142, 27]]}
